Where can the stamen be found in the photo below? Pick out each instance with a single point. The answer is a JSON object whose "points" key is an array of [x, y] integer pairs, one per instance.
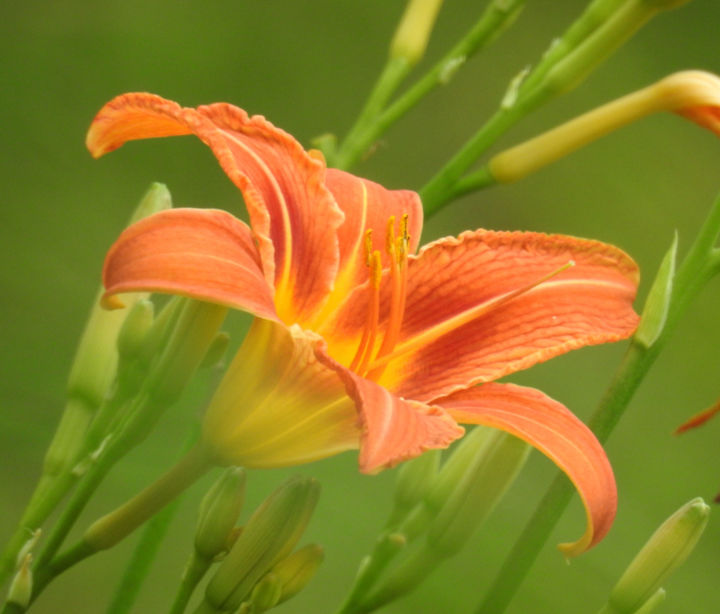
{"points": [[362, 356], [461, 319], [398, 264], [390, 237], [368, 246]]}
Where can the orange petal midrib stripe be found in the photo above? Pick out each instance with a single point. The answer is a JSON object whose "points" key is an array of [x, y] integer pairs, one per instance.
{"points": [[281, 284], [434, 332]]}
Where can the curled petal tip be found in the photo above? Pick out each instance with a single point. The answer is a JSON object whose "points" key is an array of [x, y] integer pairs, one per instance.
{"points": [[572, 549], [110, 302]]}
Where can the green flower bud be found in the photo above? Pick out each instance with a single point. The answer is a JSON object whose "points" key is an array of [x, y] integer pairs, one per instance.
{"points": [[96, 359], [294, 572], [666, 550], [269, 536], [266, 594], [609, 25], [455, 467], [156, 199], [196, 328], [498, 458], [415, 477], [657, 303], [219, 511], [655, 600], [134, 328]]}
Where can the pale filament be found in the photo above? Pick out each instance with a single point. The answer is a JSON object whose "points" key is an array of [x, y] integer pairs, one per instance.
{"points": [[364, 351]]}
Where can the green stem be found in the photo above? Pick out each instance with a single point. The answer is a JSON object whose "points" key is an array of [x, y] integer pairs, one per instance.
{"points": [[113, 527], [473, 182], [496, 17], [386, 548], [87, 486], [195, 571], [699, 266], [139, 564], [356, 142], [404, 578], [443, 186], [118, 524], [146, 549]]}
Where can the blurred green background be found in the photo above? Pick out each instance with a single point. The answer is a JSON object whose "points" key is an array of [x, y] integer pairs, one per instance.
{"points": [[307, 67]]}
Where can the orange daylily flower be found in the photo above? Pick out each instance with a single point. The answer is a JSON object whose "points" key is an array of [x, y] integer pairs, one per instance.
{"points": [[359, 341]]}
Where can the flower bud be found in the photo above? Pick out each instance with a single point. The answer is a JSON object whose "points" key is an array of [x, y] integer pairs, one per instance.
{"points": [[135, 328], [193, 334], [413, 32], [415, 477], [294, 572], [694, 94], [455, 467], [497, 460], [269, 536], [657, 303], [96, 358], [666, 550], [265, 594], [219, 511], [655, 600]]}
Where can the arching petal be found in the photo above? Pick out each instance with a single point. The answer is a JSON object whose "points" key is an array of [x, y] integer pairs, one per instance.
{"points": [[205, 254], [292, 213], [557, 433], [367, 206], [393, 429], [460, 329]]}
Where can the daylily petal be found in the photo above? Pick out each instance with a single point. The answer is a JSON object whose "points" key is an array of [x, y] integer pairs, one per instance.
{"points": [[293, 215], [205, 254], [393, 429], [367, 206], [557, 433], [277, 405], [451, 279], [707, 116]]}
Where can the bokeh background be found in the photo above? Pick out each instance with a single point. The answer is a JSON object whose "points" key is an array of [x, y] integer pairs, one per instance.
{"points": [[307, 67]]}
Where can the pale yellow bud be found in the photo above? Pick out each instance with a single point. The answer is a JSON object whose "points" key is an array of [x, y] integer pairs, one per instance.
{"points": [[694, 94], [411, 36]]}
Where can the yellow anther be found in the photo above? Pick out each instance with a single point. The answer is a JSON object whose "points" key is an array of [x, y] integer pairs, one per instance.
{"points": [[368, 246], [376, 269], [390, 236], [403, 240], [404, 227]]}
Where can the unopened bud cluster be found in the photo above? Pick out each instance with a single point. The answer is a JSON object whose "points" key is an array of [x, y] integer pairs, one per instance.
{"points": [[260, 570]]}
